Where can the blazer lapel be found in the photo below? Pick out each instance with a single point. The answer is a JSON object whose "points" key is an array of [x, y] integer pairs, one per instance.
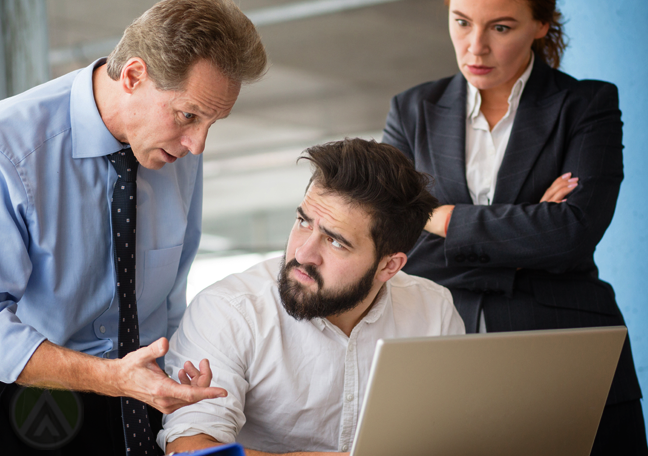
{"points": [[534, 121], [446, 134]]}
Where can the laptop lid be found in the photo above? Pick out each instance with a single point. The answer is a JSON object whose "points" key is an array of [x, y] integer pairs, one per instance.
{"points": [[527, 392]]}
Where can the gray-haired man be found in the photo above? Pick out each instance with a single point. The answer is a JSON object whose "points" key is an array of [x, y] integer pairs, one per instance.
{"points": [[63, 300]]}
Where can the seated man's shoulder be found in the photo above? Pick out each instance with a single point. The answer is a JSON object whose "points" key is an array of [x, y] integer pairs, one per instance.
{"points": [[420, 302], [403, 283], [250, 292]]}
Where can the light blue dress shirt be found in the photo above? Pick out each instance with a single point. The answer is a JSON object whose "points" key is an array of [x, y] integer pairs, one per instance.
{"points": [[57, 274]]}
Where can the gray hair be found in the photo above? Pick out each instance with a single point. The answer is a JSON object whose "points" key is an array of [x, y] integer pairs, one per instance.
{"points": [[175, 34]]}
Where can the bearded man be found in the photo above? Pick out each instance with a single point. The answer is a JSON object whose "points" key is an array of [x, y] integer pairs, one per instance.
{"points": [[292, 339]]}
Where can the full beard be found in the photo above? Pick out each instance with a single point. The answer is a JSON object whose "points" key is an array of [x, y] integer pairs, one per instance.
{"points": [[302, 304]]}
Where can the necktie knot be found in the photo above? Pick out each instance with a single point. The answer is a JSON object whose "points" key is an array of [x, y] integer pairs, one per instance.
{"points": [[125, 164]]}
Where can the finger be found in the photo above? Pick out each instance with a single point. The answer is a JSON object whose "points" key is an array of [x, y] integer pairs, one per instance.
{"points": [[566, 191], [560, 194], [171, 396], [551, 191], [150, 353], [560, 181], [191, 370], [191, 394], [563, 191], [205, 373], [550, 196], [183, 377], [160, 347], [556, 192]]}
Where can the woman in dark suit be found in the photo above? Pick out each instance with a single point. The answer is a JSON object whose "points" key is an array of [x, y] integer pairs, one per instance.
{"points": [[527, 166]]}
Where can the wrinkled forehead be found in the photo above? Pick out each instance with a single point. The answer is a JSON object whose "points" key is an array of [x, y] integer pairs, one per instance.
{"points": [[336, 211], [315, 190]]}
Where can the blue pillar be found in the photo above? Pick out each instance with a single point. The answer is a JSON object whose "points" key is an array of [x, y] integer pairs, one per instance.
{"points": [[608, 42]]}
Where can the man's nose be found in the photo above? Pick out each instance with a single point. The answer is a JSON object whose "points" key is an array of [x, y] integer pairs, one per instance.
{"points": [[309, 251], [195, 140]]}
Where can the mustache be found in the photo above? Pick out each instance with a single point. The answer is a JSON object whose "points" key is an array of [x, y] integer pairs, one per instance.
{"points": [[308, 268]]}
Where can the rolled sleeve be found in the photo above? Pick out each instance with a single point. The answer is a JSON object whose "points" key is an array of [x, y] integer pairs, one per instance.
{"points": [[18, 341], [212, 328]]}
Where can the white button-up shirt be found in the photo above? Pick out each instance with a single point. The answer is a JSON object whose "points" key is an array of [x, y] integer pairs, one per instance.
{"points": [[485, 147], [293, 385]]}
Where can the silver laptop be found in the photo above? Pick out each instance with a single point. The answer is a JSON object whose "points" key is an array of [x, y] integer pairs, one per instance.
{"points": [[515, 393]]}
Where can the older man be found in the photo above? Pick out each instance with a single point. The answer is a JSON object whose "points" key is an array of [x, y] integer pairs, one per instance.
{"points": [[101, 169], [292, 339]]}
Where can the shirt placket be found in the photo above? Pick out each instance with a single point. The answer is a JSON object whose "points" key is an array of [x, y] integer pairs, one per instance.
{"points": [[350, 400]]}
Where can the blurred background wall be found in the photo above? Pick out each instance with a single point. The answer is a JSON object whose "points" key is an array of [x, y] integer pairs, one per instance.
{"points": [[607, 42], [335, 64]]}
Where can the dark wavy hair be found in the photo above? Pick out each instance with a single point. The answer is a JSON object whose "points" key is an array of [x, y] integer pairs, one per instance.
{"points": [[379, 179], [550, 48]]}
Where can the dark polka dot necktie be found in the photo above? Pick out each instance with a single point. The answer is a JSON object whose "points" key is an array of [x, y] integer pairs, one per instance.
{"points": [[137, 429]]}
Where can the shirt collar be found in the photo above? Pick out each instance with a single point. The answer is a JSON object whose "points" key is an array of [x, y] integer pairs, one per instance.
{"points": [[90, 136], [473, 97], [375, 312]]}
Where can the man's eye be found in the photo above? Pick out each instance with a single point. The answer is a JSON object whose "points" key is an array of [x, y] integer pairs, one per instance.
{"points": [[188, 115], [336, 244], [303, 223], [462, 22]]}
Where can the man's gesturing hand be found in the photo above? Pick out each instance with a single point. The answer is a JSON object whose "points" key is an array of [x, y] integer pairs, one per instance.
{"points": [[141, 378]]}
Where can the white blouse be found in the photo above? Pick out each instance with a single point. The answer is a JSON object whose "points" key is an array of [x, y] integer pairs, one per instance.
{"points": [[485, 147]]}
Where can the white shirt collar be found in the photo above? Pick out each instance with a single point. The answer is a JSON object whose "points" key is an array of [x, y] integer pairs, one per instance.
{"points": [[375, 312], [474, 100]]}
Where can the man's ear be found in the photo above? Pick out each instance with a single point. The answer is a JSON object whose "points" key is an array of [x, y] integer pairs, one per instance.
{"points": [[133, 73], [390, 265]]}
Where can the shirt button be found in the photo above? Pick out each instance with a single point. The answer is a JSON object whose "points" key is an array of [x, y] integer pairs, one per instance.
{"points": [[102, 329], [345, 447], [349, 397], [350, 348]]}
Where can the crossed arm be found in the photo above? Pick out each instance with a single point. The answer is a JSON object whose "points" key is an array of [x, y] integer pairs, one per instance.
{"points": [[556, 193]]}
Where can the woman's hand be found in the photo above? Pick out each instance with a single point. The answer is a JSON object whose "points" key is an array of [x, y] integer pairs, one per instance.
{"points": [[560, 188], [438, 222]]}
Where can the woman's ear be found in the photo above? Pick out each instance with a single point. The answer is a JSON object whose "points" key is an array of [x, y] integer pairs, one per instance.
{"points": [[542, 31]]}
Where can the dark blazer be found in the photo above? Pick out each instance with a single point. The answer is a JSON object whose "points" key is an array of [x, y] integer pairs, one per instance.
{"points": [[528, 265]]}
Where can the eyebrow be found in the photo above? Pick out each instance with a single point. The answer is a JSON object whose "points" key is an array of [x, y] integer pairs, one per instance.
{"points": [[498, 19], [195, 108], [337, 236]]}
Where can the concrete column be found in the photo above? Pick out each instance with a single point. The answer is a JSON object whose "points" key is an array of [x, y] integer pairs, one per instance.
{"points": [[24, 45], [608, 41]]}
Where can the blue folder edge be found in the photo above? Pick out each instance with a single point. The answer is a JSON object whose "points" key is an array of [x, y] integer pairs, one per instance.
{"points": [[231, 449]]}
